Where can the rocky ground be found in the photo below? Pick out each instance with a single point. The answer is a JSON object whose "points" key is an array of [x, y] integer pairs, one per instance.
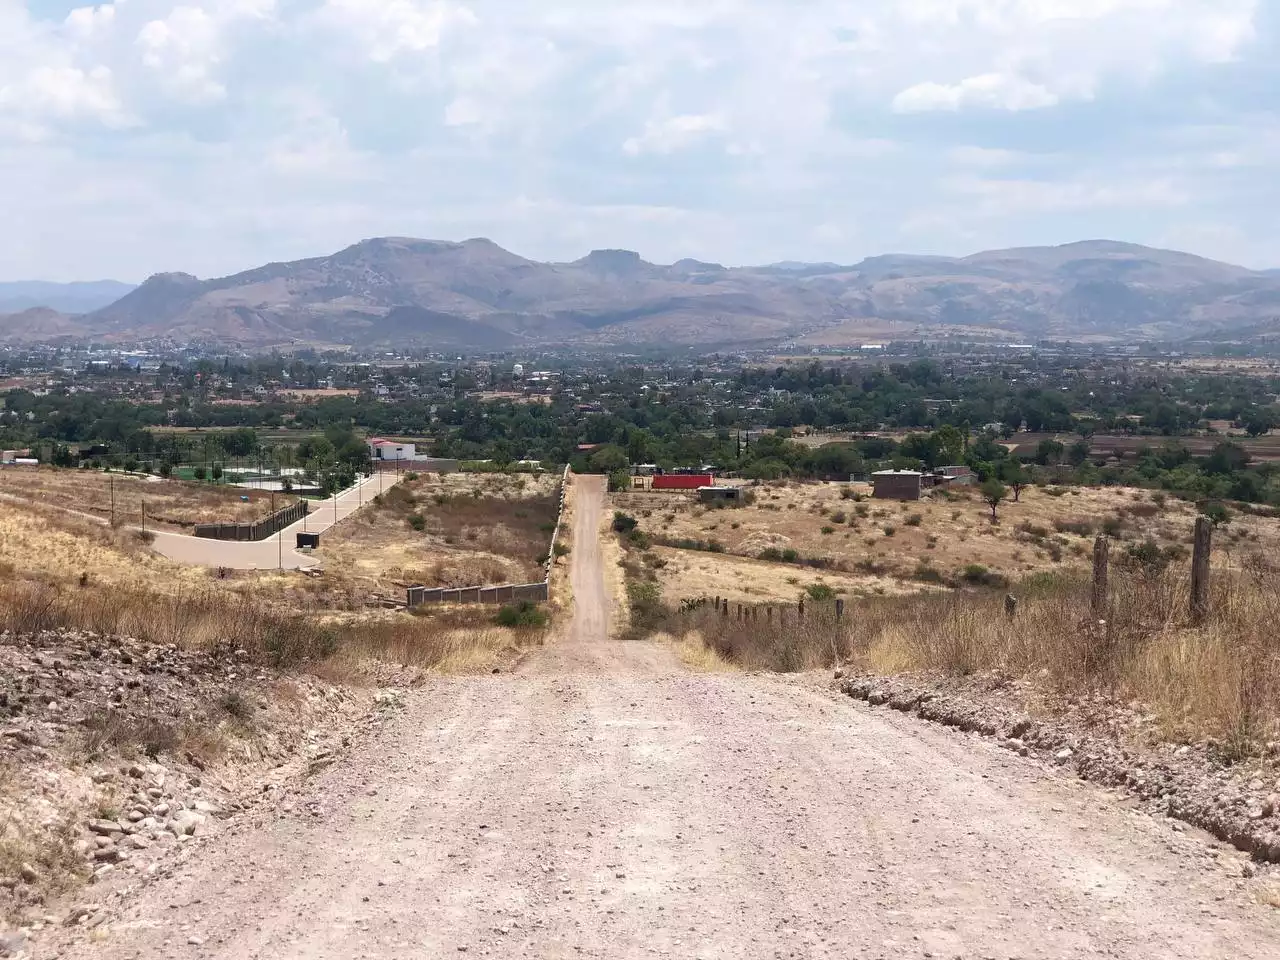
{"points": [[117, 757], [1115, 744]]}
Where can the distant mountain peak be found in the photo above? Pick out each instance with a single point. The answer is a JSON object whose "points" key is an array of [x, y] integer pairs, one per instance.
{"points": [[613, 261]]}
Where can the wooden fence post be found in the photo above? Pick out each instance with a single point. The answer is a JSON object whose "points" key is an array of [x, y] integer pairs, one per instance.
{"points": [[1101, 557], [800, 609], [768, 613], [839, 608], [1200, 569], [1010, 606]]}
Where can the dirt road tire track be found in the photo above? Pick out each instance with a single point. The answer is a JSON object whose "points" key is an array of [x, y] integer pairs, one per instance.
{"points": [[601, 803]]}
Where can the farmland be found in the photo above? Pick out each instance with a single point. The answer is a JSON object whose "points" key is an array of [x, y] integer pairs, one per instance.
{"points": [[453, 530], [171, 504]]}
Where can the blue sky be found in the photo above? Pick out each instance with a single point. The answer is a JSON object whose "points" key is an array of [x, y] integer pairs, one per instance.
{"points": [[214, 135]]}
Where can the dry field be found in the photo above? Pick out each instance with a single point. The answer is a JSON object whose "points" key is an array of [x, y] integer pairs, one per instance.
{"points": [[881, 547], [170, 504], [454, 530]]}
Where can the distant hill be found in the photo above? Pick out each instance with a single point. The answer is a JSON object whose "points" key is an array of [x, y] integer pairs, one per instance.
{"points": [[81, 297], [474, 294]]}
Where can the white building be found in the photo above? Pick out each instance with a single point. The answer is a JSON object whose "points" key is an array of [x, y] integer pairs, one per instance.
{"points": [[380, 449]]}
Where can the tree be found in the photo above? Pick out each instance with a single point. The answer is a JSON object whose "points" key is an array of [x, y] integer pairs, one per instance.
{"points": [[993, 493], [199, 473], [1216, 511], [1015, 475], [608, 459], [1258, 422], [216, 472], [1049, 451]]}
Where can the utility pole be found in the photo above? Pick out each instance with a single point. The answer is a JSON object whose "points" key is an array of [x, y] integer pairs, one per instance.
{"points": [[112, 480], [144, 519]]}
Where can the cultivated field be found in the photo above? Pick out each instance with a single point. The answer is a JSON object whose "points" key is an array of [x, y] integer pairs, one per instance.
{"points": [[455, 530], [796, 534], [173, 504]]}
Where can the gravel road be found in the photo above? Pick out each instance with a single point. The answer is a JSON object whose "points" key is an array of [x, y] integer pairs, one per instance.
{"points": [[600, 802]]}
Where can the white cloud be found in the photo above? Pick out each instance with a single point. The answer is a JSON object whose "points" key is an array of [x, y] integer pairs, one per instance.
{"points": [[760, 130], [992, 90], [186, 48], [387, 29], [674, 133]]}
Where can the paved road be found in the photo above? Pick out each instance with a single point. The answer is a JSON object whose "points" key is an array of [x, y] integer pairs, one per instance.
{"points": [[601, 802], [278, 550]]}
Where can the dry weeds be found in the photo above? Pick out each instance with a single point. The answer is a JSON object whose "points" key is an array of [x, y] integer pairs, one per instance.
{"points": [[173, 504], [456, 530], [872, 543]]}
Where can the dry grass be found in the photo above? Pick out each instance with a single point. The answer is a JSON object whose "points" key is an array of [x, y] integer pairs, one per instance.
{"points": [[784, 642], [47, 544], [1221, 679], [456, 530], [1050, 529], [175, 504]]}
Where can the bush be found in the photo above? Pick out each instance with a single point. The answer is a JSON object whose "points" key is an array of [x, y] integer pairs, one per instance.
{"points": [[827, 531], [862, 510], [216, 473], [560, 549], [770, 555], [411, 476], [418, 522], [820, 592], [890, 530], [1113, 527], [914, 520], [790, 556], [980, 576], [523, 615], [623, 523], [839, 517], [1081, 528], [928, 574], [166, 469], [199, 473]]}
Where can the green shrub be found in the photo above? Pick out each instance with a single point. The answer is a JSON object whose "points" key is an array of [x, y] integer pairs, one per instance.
{"points": [[418, 522], [827, 531], [978, 575], [914, 520], [524, 614], [839, 517], [890, 530], [623, 523], [770, 554], [820, 592], [790, 556]]}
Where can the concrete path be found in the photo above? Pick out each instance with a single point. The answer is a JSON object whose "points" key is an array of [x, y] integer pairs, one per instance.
{"points": [[276, 552]]}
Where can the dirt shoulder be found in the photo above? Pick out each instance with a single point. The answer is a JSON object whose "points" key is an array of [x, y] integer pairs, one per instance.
{"points": [[116, 755], [1196, 781]]}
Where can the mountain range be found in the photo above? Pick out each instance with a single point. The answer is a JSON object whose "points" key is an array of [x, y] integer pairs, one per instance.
{"points": [[475, 294]]}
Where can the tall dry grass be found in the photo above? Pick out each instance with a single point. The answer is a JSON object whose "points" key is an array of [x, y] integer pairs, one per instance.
{"points": [[1220, 678], [209, 619]]}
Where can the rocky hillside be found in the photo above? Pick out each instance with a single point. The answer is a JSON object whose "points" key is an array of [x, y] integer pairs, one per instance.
{"points": [[476, 294]]}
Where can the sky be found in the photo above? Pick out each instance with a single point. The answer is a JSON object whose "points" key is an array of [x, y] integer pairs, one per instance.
{"points": [[210, 136]]}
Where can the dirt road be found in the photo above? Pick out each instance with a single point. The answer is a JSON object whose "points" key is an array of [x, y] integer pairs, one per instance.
{"points": [[602, 803]]}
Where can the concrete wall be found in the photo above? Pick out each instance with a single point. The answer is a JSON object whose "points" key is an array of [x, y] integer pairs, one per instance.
{"points": [[254, 531], [896, 487]]}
